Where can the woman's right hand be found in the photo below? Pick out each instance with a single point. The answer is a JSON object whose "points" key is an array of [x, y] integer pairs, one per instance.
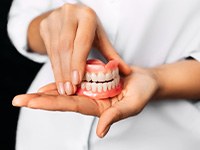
{"points": [[68, 33]]}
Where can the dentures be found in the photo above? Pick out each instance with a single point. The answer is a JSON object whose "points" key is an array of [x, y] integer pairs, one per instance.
{"points": [[101, 80]]}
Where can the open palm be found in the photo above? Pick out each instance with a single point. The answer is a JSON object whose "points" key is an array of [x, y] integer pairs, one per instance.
{"points": [[138, 89]]}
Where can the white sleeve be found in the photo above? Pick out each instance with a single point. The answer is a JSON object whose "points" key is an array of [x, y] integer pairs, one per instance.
{"points": [[194, 47], [188, 43], [20, 15]]}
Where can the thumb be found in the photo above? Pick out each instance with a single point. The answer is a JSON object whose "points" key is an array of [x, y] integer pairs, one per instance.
{"points": [[108, 117], [105, 47]]}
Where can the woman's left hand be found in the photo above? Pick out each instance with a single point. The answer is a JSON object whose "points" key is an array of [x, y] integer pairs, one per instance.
{"points": [[139, 87]]}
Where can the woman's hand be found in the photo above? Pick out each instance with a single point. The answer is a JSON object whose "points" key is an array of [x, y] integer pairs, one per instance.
{"points": [[139, 87], [67, 34]]}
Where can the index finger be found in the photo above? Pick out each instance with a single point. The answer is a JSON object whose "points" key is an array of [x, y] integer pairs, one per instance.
{"points": [[82, 44]]}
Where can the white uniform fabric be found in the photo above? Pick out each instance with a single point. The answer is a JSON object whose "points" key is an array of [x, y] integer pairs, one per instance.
{"points": [[146, 33]]}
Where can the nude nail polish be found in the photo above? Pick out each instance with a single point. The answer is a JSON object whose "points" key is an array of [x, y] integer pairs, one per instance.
{"points": [[16, 102], [61, 90], [75, 77], [68, 88]]}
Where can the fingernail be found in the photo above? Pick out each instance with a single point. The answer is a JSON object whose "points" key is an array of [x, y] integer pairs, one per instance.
{"points": [[75, 77], [39, 90], [74, 88], [105, 132], [102, 135], [16, 102], [68, 88], [61, 90]]}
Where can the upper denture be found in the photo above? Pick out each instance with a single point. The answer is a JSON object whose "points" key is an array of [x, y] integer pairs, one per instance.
{"points": [[96, 70], [96, 66]]}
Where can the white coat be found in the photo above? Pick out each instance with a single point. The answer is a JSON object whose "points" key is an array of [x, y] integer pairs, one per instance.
{"points": [[145, 33]]}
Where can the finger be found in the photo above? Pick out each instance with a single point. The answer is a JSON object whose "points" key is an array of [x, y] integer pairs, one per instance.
{"points": [[122, 108], [22, 100], [83, 105], [52, 92], [50, 36], [109, 52], [67, 36], [48, 87], [82, 45], [44, 32], [47, 31], [53, 50], [51, 87], [108, 117]]}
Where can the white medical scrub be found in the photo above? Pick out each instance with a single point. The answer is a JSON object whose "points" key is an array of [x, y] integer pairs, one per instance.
{"points": [[145, 33]]}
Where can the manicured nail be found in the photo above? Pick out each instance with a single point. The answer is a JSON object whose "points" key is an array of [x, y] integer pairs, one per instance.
{"points": [[102, 135], [75, 77], [74, 88], [61, 88], [104, 132], [68, 88], [16, 102]]}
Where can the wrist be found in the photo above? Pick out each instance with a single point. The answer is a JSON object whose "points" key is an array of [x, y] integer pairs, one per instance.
{"points": [[155, 74], [152, 75]]}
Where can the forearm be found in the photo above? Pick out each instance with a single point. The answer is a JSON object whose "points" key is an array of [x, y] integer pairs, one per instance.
{"points": [[35, 41], [178, 80]]}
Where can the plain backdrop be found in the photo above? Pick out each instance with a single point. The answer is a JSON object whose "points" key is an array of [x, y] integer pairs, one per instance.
{"points": [[16, 74]]}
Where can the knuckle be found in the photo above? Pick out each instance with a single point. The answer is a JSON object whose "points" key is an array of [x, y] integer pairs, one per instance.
{"points": [[43, 24], [88, 12], [43, 27], [67, 7], [53, 16]]}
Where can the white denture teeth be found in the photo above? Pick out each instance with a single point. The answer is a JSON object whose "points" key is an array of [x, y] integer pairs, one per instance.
{"points": [[94, 87], [104, 85], [115, 73], [116, 80], [83, 85], [88, 86], [113, 84], [93, 77], [99, 87], [109, 85], [98, 82], [88, 77], [108, 76], [100, 77]]}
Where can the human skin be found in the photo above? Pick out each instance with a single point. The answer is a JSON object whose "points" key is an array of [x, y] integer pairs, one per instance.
{"points": [[177, 80], [67, 34]]}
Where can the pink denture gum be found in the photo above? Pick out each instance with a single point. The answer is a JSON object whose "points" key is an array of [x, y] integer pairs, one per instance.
{"points": [[101, 80]]}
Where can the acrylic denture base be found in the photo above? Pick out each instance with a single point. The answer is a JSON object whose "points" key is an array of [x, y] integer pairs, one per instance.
{"points": [[101, 80]]}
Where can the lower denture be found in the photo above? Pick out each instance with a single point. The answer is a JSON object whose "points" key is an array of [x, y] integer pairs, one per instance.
{"points": [[95, 85]]}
